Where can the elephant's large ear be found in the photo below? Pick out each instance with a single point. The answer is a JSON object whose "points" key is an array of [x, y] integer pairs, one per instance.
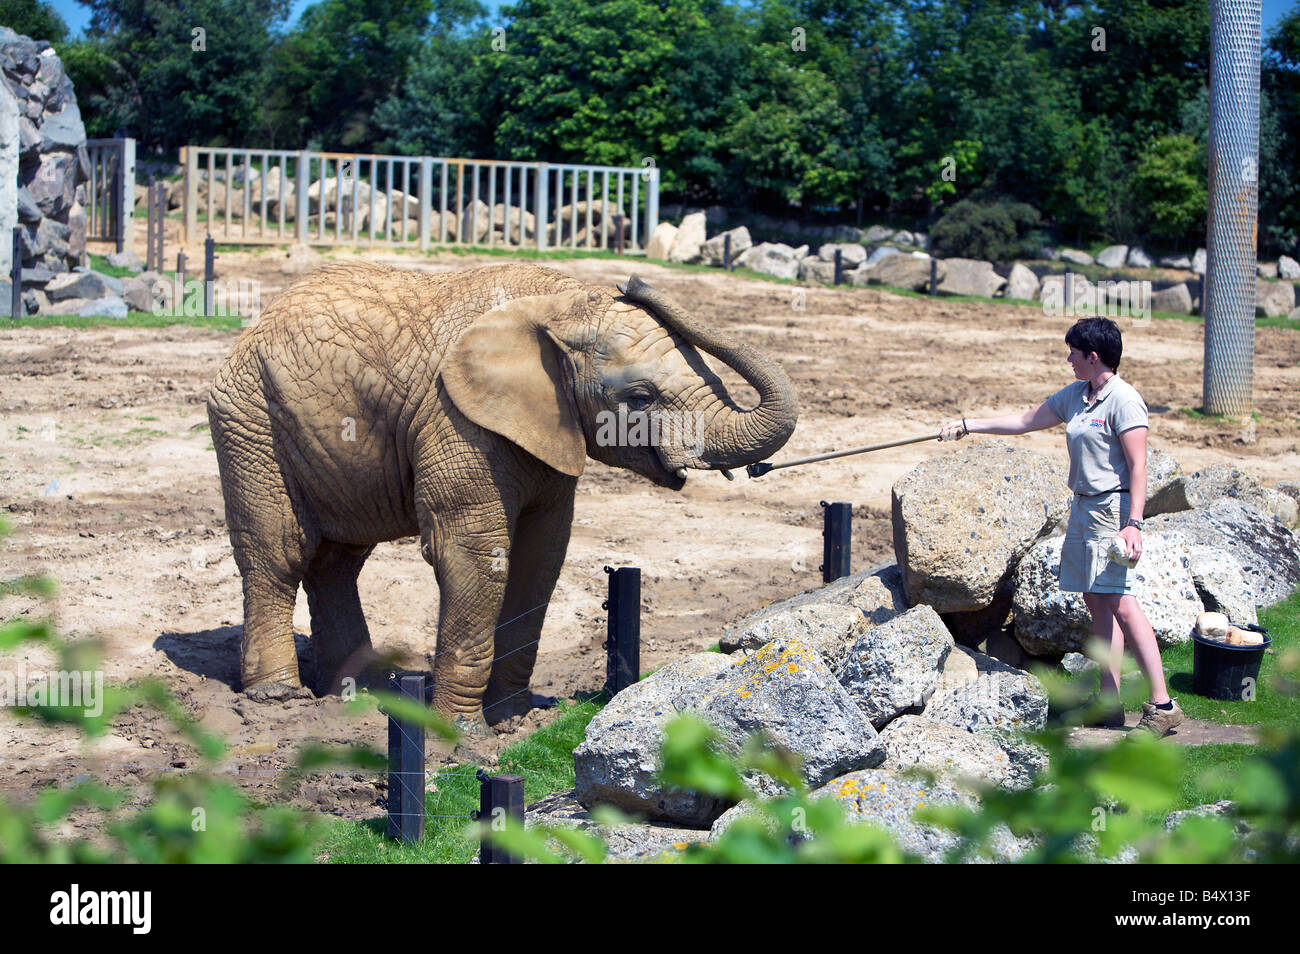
{"points": [[504, 374]]}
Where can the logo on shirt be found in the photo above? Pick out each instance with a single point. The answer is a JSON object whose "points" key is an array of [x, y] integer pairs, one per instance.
{"points": [[1097, 422]]}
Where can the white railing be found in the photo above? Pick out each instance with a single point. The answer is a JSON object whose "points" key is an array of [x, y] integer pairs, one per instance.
{"points": [[110, 191], [269, 196]]}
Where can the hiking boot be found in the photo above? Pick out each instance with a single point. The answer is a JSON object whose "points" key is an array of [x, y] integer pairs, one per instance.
{"points": [[1112, 717], [1159, 721]]}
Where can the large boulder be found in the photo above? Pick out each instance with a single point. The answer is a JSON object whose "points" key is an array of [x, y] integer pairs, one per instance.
{"points": [[1076, 257], [772, 258], [952, 753], [829, 628], [851, 253], [1051, 292], [876, 593], [83, 284], [1001, 700], [661, 240], [689, 239], [1112, 256], [1202, 488], [1049, 621], [968, 276], [895, 666], [1162, 470], [617, 762], [1022, 283], [711, 253], [638, 841], [1274, 299], [880, 254], [812, 269], [1137, 258], [899, 271], [877, 233], [1267, 550], [1220, 581], [1175, 299], [12, 207], [1288, 268], [110, 306], [784, 689], [1199, 260], [961, 521]]}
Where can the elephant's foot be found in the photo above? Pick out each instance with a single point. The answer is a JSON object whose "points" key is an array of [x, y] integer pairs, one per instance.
{"points": [[277, 692], [473, 724], [515, 704]]}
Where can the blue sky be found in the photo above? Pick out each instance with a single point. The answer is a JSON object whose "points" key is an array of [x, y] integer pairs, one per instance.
{"points": [[77, 16]]}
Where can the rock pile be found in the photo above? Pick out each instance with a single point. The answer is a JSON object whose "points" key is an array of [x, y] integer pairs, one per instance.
{"points": [[880, 255], [870, 676], [43, 165]]}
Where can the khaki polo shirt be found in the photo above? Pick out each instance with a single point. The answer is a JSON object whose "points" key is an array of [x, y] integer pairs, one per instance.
{"points": [[1092, 429]]}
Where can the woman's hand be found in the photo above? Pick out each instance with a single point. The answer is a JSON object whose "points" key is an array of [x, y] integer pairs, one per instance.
{"points": [[1132, 538], [953, 431]]}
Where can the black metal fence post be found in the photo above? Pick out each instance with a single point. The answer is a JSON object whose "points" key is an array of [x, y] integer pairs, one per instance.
{"points": [[16, 275], [837, 540], [499, 797], [180, 267], [406, 764], [726, 252], [209, 273], [934, 274], [623, 640], [839, 266], [1068, 295]]}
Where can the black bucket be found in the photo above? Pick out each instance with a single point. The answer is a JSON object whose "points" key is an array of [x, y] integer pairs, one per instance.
{"points": [[1221, 671]]}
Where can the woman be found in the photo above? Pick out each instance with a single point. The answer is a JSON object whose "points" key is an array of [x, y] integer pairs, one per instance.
{"points": [[1106, 434]]}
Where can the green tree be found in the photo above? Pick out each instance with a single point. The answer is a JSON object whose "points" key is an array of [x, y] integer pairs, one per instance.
{"points": [[342, 59], [438, 110], [169, 74], [34, 18], [1170, 184]]}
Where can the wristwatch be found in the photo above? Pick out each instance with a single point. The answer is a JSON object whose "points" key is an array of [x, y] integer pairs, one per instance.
{"points": [[1134, 523]]}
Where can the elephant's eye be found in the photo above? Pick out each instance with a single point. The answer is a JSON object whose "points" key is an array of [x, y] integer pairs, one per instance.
{"points": [[638, 400]]}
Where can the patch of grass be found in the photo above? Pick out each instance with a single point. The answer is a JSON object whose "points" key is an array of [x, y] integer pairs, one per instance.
{"points": [[1199, 414], [544, 759], [134, 319]]}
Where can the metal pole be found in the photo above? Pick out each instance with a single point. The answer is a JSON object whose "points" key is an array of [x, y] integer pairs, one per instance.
{"points": [[839, 266], [623, 642], [726, 252], [1229, 298], [209, 273], [16, 275], [406, 764], [837, 540], [1067, 294], [934, 274], [500, 797]]}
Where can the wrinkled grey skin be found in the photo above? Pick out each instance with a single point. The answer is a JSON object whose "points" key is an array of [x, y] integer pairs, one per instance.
{"points": [[370, 403]]}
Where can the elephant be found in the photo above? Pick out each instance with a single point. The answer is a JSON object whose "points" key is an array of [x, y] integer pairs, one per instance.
{"points": [[371, 403]]}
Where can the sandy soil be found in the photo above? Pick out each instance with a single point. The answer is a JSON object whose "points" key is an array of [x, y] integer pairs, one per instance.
{"points": [[107, 470]]}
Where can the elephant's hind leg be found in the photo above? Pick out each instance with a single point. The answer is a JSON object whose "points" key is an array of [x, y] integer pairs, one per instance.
{"points": [[271, 550], [338, 625]]}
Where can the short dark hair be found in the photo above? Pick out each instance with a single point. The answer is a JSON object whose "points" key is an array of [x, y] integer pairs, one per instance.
{"points": [[1100, 335]]}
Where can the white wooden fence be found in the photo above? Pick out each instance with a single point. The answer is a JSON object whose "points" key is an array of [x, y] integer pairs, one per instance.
{"points": [[268, 196]]}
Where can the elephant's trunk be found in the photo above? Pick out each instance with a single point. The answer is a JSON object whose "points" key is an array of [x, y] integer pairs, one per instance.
{"points": [[734, 437]]}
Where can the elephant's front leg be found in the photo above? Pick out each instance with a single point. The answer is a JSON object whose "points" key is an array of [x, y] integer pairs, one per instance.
{"points": [[540, 541], [470, 566]]}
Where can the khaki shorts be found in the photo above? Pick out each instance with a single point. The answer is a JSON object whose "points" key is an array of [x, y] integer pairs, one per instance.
{"points": [[1085, 563]]}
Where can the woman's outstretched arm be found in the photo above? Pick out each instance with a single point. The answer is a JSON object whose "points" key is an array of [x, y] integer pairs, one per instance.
{"points": [[1035, 419]]}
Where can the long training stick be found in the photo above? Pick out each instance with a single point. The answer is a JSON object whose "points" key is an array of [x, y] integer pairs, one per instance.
{"points": [[758, 470]]}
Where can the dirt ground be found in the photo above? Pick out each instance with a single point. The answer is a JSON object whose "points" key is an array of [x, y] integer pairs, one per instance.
{"points": [[107, 472]]}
